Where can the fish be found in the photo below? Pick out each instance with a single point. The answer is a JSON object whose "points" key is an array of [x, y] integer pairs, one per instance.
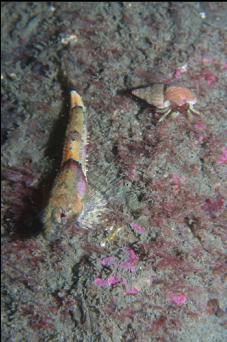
{"points": [[69, 192]]}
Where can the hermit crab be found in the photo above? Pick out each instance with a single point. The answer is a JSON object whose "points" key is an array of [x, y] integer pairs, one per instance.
{"points": [[168, 99]]}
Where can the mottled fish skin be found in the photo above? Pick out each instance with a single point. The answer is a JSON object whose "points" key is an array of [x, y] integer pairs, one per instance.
{"points": [[68, 194], [76, 134]]}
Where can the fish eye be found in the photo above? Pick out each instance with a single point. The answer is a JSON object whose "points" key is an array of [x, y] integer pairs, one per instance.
{"points": [[62, 215]]}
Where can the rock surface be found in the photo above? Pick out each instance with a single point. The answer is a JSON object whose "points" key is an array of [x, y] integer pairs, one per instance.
{"points": [[152, 266]]}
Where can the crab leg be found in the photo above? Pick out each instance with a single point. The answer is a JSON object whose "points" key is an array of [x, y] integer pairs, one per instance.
{"points": [[165, 114], [192, 110]]}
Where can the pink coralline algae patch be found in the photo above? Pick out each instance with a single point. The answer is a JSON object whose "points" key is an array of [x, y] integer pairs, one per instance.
{"points": [[109, 261], [223, 158], [113, 281], [207, 60], [101, 282], [178, 299], [110, 282], [177, 181], [137, 228], [131, 263], [200, 126], [213, 206], [210, 77], [39, 320], [180, 71], [132, 292], [132, 173]]}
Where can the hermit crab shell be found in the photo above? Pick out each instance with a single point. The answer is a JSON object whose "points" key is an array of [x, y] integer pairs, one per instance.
{"points": [[180, 96], [154, 95], [162, 96]]}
